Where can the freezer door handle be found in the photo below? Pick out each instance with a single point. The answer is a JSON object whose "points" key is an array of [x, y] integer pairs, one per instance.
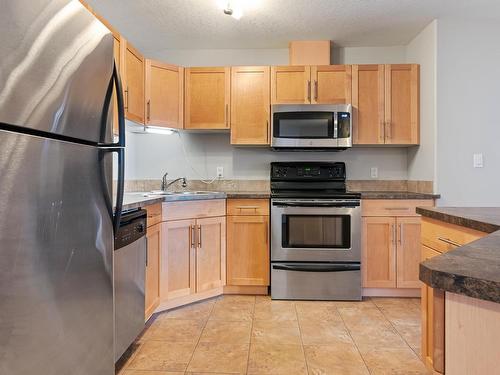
{"points": [[121, 111], [317, 267]]}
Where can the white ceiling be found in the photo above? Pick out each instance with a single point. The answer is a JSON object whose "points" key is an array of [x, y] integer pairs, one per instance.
{"points": [[154, 25]]}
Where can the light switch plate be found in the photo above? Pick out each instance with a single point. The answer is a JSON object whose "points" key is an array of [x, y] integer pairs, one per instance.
{"points": [[478, 160]]}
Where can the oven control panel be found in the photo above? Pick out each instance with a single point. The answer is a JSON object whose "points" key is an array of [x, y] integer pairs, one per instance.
{"points": [[307, 171]]}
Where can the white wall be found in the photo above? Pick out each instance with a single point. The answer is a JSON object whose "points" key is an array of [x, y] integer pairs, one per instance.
{"points": [[149, 156], [423, 50], [468, 97]]}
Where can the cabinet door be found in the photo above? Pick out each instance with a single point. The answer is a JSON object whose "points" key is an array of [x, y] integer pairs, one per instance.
{"points": [[152, 289], [210, 253], [164, 94], [250, 105], [408, 252], [379, 252], [177, 259], [331, 84], [134, 83], [207, 98], [248, 250], [368, 104], [402, 104], [290, 84]]}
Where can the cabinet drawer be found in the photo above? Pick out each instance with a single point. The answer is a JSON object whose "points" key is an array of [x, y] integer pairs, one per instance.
{"points": [[444, 237], [393, 207], [248, 207], [193, 209], [154, 214]]}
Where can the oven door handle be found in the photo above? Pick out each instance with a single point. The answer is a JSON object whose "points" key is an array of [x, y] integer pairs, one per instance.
{"points": [[329, 204], [318, 268]]}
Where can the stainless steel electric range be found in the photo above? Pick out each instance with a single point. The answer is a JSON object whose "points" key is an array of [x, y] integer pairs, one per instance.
{"points": [[316, 238]]}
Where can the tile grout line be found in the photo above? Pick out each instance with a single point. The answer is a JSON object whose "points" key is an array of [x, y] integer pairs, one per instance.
{"points": [[300, 334], [199, 338], [397, 331], [251, 331], [354, 341]]}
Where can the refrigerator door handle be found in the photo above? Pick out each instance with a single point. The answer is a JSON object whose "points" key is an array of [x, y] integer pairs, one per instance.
{"points": [[120, 189], [121, 111]]}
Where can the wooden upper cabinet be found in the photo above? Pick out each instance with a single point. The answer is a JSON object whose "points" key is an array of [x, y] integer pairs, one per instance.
{"points": [[331, 84], [210, 253], [250, 105], [152, 284], [133, 83], [402, 104], [379, 252], [248, 250], [290, 84], [164, 94], [408, 252], [207, 98], [368, 104]]}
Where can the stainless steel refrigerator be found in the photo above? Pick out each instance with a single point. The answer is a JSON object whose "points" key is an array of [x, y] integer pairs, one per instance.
{"points": [[57, 87]]}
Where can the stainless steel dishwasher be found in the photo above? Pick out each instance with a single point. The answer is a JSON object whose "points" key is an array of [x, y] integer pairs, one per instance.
{"points": [[130, 259]]}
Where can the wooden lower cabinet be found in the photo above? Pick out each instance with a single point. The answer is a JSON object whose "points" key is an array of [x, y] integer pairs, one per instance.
{"points": [[178, 259], [379, 252], [248, 250], [408, 252], [210, 253], [152, 282]]}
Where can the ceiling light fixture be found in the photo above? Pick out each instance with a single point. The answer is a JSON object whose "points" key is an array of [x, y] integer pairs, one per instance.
{"points": [[231, 8]]}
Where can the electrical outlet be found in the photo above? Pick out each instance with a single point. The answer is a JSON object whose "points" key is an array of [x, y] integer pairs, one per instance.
{"points": [[374, 172], [220, 172], [478, 160]]}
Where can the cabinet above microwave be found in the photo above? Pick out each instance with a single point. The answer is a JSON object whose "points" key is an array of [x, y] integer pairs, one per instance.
{"points": [[314, 127]]}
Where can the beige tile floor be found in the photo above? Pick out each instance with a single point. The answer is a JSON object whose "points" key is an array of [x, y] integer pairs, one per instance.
{"points": [[254, 335]]}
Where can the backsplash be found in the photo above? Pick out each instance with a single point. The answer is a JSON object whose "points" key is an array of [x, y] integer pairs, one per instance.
{"points": [[263, 185]]}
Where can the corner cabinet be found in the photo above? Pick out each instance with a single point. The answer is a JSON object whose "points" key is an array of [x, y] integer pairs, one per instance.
{"points": [[164, 100], [207, 98], [193, 251], [390, 246], [250, 105], [386, 104], [133, 83], [248, 263]]}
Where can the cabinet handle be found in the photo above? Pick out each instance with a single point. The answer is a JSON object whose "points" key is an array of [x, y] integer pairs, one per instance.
{"points": [[309, 91], [397, 208], [400, 234], [315, 90], [388, 126], [199, 236], [226, 114], [149, 110], [147, 246], [382, 131], [267, 233], [393, 235], [126, 99], [192, 234], [449, 242]]}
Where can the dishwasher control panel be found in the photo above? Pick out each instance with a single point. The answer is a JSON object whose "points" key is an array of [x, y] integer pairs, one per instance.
{"points": [[132, 227]]}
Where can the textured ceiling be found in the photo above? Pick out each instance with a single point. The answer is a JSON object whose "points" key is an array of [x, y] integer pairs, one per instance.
{"points": [[154, 25]]}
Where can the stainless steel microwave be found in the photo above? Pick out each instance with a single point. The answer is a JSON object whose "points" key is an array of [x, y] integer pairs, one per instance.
{"points": [[311, 127]]}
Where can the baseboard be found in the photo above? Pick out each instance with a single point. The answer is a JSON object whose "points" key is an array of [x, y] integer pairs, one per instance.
{"points": [[181, 301], [391, 292], [252, 290]]}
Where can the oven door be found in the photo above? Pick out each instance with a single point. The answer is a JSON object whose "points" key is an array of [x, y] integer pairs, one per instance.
{"points": [[304, 230]]}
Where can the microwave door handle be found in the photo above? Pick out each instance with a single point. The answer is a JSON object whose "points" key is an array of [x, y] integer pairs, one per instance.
{"points": [[335, 125], [317, 268]]}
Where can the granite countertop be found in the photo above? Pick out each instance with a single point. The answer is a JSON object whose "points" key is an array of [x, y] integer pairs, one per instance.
{"points": [[473, 269], [396, 195], [137, 200]]}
